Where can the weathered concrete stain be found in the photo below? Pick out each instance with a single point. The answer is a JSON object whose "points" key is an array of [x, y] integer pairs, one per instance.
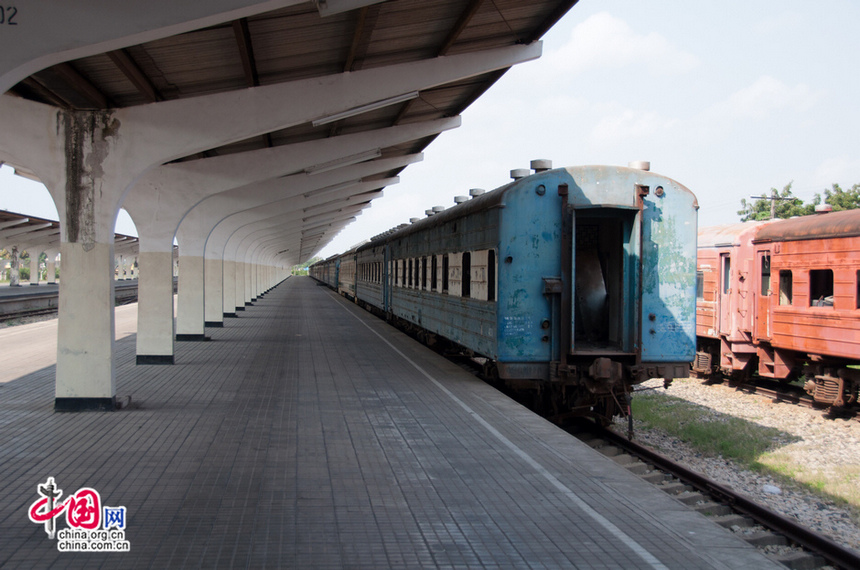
{"points": [[88, 137]]}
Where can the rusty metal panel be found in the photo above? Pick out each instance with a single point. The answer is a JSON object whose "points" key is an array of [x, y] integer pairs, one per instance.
{"points": [[819, 226]]}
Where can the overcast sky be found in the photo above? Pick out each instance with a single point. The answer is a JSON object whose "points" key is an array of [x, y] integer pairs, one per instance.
{"points": [[729, 99]]}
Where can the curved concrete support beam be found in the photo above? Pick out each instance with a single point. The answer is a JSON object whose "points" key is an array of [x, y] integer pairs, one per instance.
{"points": [[229, 233], [163, 196], [195, 228], [89, 161], [41, 33]]}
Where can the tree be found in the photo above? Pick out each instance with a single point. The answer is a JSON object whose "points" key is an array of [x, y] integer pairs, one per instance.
{"points": [[840, 199], [784, 205]]}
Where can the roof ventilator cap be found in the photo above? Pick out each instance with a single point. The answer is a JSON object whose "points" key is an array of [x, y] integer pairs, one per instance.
{"points": [[640, 165], [460, 199], [518, 173], [541, 165], [823, 208], [438, 209], [413, 220], [475, 192], [429, 213]]}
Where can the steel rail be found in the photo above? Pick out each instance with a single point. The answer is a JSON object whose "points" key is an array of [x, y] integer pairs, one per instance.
{"points": [[831, 551]]}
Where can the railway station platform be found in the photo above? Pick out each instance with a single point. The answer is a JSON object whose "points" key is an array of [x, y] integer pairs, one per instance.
{"points": [[309, 434]]}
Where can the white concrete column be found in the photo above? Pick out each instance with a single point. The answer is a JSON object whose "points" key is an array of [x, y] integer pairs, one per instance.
{"points": [[196, 227], [229, 300], [155, 292], [102, 153], [213, 306], [51, 266], [34, 265], [163, 196], [14, 272], [241, 270]]}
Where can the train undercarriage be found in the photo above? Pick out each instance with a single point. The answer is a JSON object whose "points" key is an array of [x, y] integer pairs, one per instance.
{"points": [[831, 382]]}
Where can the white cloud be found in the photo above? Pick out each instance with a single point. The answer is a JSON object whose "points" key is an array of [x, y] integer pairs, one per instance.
{"points": [[626, 124], [842, 170], [781, 23], [768, 95], [604, 41]]}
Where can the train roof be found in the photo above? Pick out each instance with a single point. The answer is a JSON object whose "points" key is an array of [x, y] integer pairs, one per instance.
{"points": [[818, 226], [726, 234], [495, 198], [487, 200]]}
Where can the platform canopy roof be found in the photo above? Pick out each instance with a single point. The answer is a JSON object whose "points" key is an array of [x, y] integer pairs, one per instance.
{"points": [[301, 41]]}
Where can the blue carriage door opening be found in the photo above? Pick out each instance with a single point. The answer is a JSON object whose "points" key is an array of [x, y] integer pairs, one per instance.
{"points": [[604, 281], [668, 277]]}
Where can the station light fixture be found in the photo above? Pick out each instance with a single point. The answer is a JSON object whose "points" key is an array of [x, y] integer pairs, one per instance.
{"points": [[332, 188], [343, 161], [365, 108]]}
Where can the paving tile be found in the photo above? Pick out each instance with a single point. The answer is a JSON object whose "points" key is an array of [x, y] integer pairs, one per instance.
{"points": [[310, 434]]}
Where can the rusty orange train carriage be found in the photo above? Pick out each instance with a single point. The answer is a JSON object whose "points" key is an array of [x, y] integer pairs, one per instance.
{"points": [[782, 299]]}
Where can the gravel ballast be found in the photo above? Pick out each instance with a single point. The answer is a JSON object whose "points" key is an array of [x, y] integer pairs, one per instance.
{"points": [[824, 446]]}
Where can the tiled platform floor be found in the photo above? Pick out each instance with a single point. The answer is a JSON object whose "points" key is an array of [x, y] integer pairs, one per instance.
{"points": [[309, 434]]}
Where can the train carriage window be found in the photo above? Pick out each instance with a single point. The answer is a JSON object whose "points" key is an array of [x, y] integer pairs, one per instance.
{"points": [[727, 274], [765, 275], [700, 285], [821, 288], [491, 275], [467, 274], [410, 273], [445, 273], [785, 286], [433, 272], [424, 273], [417, 274]]}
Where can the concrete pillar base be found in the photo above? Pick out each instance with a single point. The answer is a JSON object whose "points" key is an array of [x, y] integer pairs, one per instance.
{"points": [[192, 337], [214, 324], [85, 404], [231, 316], [154, 359], [240, 308], [85, 328], [34, 284], [249, 303]]}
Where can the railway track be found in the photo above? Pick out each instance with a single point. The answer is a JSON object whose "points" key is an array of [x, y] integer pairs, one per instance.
{"points": [[43, 300], [779, 392], [781, 538]]}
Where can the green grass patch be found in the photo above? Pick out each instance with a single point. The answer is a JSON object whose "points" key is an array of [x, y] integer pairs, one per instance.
{"points": [[752, 446], [709, 431]]}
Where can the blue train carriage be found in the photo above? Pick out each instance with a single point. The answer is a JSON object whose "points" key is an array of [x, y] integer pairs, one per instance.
{"points": [[574, 283], [597, 288]]}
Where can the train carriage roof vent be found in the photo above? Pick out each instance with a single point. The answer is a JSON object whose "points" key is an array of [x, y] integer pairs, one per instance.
{"points": [[413, 220], [518, 173], [823, 208], [640, 165], [541, 165], [429, 213], [475, 192], [438, 209], [460, 199]]}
